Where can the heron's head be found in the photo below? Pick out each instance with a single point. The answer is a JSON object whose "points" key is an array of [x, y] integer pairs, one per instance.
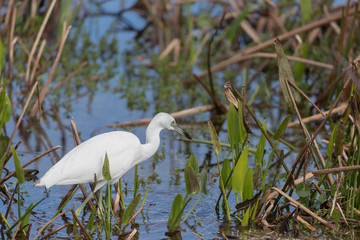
{"points": [[168, 122]]}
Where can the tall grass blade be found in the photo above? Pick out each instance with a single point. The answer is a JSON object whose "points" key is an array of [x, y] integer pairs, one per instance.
{"points": [[260, 148]]}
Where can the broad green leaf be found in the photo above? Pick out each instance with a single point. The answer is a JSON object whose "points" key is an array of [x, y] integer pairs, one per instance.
{"points": [[336, 215], [203, 179], [246, 217], [239, 173], [90, 224], [233, 126], [214, 138], [301, 191], [18, 168], [242, 130], [130, 210], [106, 169], [192, 184], [175, 214], [260, 148], [194, 163], [249, 185], [306, 10], [282, 128], [331, 142], [225, 173], [285, 73]]}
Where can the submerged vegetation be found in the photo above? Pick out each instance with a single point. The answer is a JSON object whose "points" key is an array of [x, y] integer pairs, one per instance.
{"points": [[283, 138]]}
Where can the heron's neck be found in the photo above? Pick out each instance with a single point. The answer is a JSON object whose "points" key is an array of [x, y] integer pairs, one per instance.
{"points": [[152, 142]]}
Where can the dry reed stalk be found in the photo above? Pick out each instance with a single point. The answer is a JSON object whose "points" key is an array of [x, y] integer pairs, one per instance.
{"points": [[305, 209], [37, 61], [83, 229], [11, 41], [53, 232], [52, 72], [41, 30], [132, 234], [308, 225], [323, 21], [16, 231], [319, 116]]}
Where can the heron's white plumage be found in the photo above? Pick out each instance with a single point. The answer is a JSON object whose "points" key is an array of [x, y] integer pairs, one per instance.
{"points": [[124, 150]]}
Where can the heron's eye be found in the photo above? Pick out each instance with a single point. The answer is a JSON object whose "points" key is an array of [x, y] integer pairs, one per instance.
{"points": [[173, 123]]}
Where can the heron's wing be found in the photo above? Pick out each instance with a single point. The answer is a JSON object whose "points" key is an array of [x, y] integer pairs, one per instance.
{"points": [[82, 163]]}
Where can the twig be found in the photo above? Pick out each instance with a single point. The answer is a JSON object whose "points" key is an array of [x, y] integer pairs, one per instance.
{"points": [[305, 209]]}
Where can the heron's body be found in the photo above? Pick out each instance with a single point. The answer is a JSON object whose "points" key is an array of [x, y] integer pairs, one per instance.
{"points": [[124, 151], [79, 166]]}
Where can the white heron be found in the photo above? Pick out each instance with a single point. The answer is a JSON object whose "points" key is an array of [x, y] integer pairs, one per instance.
{"points": [[124, 151]]}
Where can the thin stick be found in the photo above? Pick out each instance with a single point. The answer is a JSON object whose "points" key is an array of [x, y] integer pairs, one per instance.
{"points": [[53, 232], [305, 209], [42, 46], [86, 234]]}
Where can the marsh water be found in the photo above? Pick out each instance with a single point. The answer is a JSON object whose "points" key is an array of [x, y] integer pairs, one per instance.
{"points": [[120, 87]]}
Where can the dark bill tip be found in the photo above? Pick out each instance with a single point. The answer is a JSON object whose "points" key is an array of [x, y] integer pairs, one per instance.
{"points": [[182, 132]]}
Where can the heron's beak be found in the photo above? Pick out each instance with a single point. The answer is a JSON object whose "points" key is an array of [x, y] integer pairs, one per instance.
{"points": [[181, 131]]}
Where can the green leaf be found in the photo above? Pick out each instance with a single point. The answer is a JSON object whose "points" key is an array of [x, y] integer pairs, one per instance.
{"points": [[106, 169], [301, 191], [192, 184], [339, 140], [18, 168], [249, 185], [26, 218], [90, 224], [233, 126], [239, 173], [225, 173], [306, 10], [175, 214], [130, 210], [260, 148], [282, 128], [246, 218], [214, 138], [285, 73], [2, 55], [194, 163], [203, 180], [336, 215], [331, 142], [242, 130], [136, 181], [299, 67], [234, 27]]}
